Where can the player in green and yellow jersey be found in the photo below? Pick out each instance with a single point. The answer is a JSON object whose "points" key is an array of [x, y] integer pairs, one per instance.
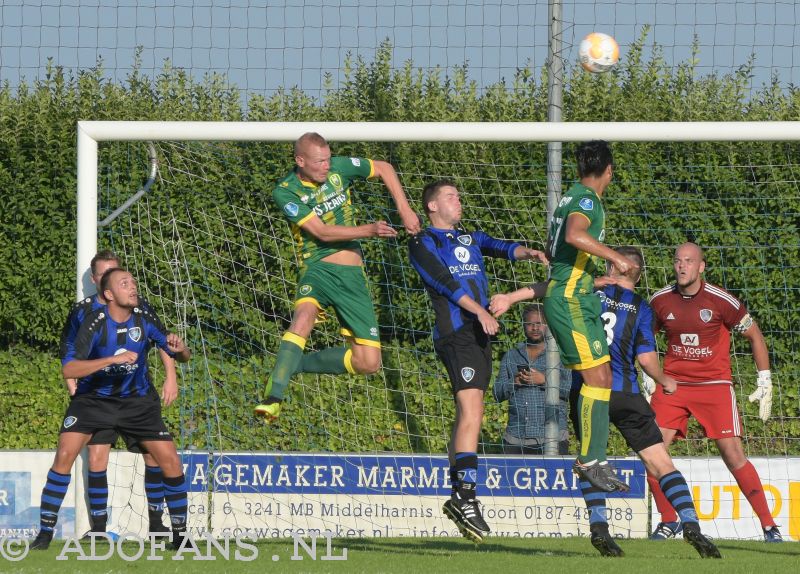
{"points": [[572, 309], [315, 198]]}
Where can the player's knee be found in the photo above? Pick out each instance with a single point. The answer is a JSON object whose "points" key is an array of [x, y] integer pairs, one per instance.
{"points": [[368, 365]]}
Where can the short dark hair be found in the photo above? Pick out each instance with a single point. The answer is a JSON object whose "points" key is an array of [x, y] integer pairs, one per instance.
{"points": [[106, 279], [593, 158], [104, 255], [635, 254], [310, 138], [532, 308], [431, 191]]}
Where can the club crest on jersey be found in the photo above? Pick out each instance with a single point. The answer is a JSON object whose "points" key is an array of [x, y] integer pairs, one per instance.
{"points": [[705, 315], [462, 254], [586, 204], [465, 240], [597, 347], [336, 181], [467, 373], [291, 209], [135, 334], [305, 289], [69, 421]]}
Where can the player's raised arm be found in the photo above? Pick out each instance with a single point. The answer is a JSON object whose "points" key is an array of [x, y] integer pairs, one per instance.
{"points": [[387, 174], [577, 236]]}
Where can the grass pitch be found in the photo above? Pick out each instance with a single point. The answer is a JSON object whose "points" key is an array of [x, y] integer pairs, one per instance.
{"points": [[439, 555]]}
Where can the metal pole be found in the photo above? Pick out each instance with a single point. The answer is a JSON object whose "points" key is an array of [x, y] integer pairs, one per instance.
{"points": [[555, 88]]}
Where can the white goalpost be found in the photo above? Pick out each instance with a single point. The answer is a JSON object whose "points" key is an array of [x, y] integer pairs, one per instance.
{"points": [[218, 262]]}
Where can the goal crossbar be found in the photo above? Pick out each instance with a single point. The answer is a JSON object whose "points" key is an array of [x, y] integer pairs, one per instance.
{"points": [[92, 132]]}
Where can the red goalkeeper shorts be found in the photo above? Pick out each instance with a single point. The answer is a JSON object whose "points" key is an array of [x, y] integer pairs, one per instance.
{"points": [[714, 407]]}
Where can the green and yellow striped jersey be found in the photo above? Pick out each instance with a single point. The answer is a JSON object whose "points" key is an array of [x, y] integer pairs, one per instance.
{"points": [[331, 201], [572, 271]]}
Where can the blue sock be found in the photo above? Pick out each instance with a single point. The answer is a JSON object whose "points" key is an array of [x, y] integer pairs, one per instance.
{"points": [[154, 489], [674, 487], [595, 502], [175, 495], [52, 497], [97, 487], [453, 480], [467, 471]]}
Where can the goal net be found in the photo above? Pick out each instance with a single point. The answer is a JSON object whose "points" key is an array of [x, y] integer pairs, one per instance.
{"points": [[364, 456]]}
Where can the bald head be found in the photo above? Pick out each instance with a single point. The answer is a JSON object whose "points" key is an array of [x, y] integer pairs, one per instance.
{"points": [[689, 264], [312, 155]]}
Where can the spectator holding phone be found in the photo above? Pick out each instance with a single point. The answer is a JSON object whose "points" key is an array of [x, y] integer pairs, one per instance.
{"points": [[521, 382]]}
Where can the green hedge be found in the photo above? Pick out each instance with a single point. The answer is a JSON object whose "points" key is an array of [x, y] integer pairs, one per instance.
{"points": [[739, 199]]}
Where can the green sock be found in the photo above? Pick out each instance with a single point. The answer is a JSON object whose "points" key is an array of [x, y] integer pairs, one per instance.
{"points": [[290, 353], [329, 361], [593, 413]]}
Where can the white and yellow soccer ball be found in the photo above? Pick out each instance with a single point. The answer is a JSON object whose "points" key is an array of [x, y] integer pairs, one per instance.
{"points": [[598, 53]]}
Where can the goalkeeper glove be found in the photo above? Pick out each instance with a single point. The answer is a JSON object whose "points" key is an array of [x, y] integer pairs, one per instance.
{"points": [[763, 394], [648, 386]]}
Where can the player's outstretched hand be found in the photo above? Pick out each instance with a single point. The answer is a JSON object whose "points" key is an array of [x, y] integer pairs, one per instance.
{"points": [[383, 229], [128, 357], [603, 281], [175, 344], [763, 394], [499, 304], [668, 384], [410, 221], [488, 323], [624, 265], [524, 253], [170, 391]]}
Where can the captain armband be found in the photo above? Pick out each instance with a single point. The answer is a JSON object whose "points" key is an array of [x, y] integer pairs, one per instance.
{"points": [[744, 324]]}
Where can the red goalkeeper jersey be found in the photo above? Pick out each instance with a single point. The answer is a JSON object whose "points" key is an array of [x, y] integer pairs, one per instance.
{"points": [[698, 330]]}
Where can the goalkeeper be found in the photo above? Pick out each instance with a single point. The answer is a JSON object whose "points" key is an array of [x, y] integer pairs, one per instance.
{"points": [[315, 197], [697, 318], [628, 321]]}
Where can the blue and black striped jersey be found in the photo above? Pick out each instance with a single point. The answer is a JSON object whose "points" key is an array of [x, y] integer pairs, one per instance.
{"points": [[78, 313], [100, 336], [628, 321], [450, 262]]}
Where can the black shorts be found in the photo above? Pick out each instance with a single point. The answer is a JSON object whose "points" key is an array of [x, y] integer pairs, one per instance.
{"points": [[467, 356], [136, 418], [630, 413], [110, 436]]}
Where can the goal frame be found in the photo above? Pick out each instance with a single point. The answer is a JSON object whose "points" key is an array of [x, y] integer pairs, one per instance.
{"points": [[92, 132]]}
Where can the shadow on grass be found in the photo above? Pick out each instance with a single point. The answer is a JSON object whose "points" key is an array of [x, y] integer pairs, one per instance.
{"points": [[442, 546]]}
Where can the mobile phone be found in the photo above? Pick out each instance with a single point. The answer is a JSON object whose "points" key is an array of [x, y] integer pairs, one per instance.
{"points": [[523, 368]]}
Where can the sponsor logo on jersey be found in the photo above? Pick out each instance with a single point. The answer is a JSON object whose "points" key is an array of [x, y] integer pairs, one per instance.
{"points": [[69, 421], [465, 240], [322, 208], [304, 199], [467, 373], [670, 317], [690, 339], [291, 209], [462, 254], [305, 289], [373, 331], [597, 347], [705, 315], [586, 204], [135, 334], [122, 330], [564, 201], [356, 161]]}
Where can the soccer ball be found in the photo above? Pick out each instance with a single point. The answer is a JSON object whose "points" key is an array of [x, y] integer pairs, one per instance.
{"points": [[598, 53]]}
